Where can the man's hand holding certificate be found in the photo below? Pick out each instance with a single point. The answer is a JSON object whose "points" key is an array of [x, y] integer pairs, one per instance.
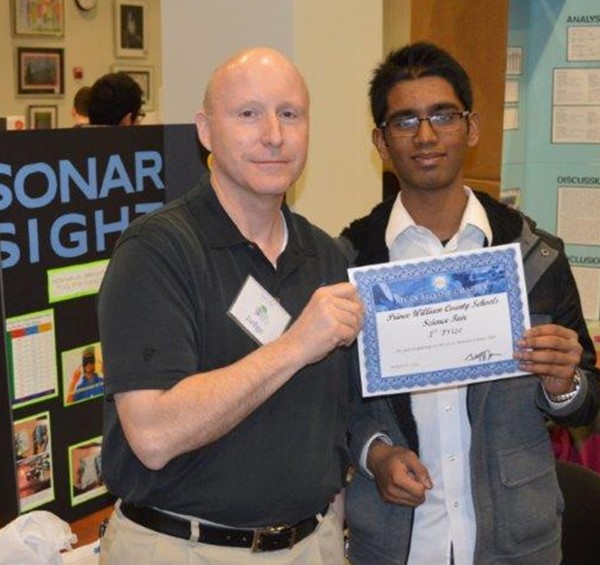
{"points": [[441, 321]]}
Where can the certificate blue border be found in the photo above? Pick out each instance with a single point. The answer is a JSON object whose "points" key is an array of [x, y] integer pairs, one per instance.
{"points": [[430, 282]]}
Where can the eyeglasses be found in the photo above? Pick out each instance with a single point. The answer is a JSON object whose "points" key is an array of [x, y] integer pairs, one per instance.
{"points": [[140, 116], [407, 126]]}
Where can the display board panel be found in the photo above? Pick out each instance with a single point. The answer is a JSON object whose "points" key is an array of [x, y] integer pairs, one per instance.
{"points": [[65, 197]]}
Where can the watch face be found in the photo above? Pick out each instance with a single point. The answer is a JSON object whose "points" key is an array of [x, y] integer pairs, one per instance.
{"points": [[86, 4]]}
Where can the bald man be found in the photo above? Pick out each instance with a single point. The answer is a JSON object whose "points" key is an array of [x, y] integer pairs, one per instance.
{"points": [[226, 323]]}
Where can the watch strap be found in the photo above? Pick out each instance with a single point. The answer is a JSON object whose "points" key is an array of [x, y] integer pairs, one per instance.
{"points": [[558, 398]]}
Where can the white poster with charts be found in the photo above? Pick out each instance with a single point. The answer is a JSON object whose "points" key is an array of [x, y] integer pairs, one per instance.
{"points": [[32, 357]]}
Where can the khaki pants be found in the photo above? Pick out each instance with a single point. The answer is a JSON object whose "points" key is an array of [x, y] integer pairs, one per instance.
{"points": [[126, 542]]}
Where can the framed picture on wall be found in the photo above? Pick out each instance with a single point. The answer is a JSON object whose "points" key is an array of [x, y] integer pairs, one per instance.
{"points": [[40, 70], [39, 17], [43, 117], [130, 28], [144, 76]]}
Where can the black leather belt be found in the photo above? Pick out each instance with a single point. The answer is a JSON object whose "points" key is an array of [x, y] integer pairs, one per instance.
{"points": [[271, 538]]}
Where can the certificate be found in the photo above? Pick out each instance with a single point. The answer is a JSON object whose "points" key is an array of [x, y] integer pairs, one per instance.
{"points": [[441, 321]]}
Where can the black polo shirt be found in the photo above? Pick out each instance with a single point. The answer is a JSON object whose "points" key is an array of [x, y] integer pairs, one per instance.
{"points": [[163, 316]]}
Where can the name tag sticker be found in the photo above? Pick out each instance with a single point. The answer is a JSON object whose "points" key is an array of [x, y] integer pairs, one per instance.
{"points": [[258, 313]]}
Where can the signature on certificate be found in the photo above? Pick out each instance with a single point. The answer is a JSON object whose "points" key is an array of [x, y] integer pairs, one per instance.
{"points": [[484, 355]]}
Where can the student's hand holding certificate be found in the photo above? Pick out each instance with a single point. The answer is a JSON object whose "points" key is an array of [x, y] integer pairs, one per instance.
{"points": [[553, 353]]}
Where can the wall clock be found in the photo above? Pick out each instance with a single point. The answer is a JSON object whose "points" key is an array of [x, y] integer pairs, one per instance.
{"points": [[86, 5]]}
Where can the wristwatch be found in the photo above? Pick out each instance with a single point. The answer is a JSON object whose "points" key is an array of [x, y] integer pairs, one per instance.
{"points": [[558, 398]]}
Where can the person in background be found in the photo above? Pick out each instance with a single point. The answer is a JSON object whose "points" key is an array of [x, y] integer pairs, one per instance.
{"points": [[79, 112], [226, 323], [115, 100], [463, 474]]}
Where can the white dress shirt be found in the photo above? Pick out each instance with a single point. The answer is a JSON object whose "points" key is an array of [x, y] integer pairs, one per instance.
{"points": [[446, 521]]}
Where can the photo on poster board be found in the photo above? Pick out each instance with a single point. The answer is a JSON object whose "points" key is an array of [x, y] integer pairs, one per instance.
{"points": [[144, 76], [39, 17], [130, 28], [42, 117], [82, 374], [33, 450], [40, 70], [85, 470]]}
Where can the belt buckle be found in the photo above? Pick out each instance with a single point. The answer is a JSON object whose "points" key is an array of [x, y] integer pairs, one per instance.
{"points": [[261, 534]]}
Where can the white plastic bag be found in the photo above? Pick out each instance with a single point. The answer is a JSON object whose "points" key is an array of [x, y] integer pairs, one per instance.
{"points": [[35, 538]]}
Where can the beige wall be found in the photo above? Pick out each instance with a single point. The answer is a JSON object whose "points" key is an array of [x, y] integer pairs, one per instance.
{"points": [[198, 35], [396, 23], [335, 43], [88, 43], [396, 32]]}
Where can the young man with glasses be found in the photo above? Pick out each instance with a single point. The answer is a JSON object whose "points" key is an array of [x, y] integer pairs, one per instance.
{"points": [[463, 474]]}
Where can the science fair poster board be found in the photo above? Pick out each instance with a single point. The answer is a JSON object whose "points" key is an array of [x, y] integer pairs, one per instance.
{"points": [[551, 158], [65, 197]]}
